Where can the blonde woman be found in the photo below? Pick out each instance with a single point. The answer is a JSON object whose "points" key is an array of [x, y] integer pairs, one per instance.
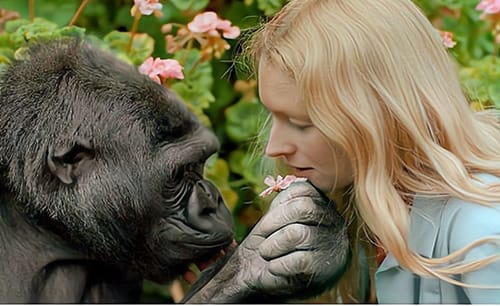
{"points": [[365, 103]]}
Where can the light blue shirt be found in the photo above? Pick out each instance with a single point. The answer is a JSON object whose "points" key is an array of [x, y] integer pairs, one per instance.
{"points": [[438, 227]]}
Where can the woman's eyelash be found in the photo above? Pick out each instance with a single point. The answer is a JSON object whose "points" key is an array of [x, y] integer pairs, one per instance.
{"points": [[300, 126]]}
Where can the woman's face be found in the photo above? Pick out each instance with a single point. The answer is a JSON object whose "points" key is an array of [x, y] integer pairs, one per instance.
{"points": [[293, 137]]}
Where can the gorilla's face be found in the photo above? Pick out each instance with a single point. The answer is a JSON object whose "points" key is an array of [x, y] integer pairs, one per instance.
{"points": [[191, 220], [111, 161]]}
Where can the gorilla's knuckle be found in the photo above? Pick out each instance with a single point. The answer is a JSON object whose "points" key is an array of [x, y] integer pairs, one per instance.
{"points": [[298, 233], [297, 190]]}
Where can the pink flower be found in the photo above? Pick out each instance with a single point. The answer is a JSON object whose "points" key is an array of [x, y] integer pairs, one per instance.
{"points": [[209, 22], [204, 22], [167, 68], [146, 7], [447, 38], [228, 31], [279, 184], [488, 7]]}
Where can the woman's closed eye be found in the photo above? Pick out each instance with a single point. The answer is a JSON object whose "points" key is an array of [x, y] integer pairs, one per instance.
{"points": [[300, 125]]}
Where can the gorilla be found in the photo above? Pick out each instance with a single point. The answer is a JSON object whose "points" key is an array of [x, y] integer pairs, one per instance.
{"points": [[101, 187]]}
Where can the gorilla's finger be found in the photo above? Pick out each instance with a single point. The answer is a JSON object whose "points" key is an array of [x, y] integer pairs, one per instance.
{"points": [[252, 242], [287, 239], [293, 264], [296, 190], [298, 210], [305, 264], [275, 283]]}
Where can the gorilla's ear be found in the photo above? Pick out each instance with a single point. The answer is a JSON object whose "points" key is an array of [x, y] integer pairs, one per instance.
{"points": [[69, 163]]}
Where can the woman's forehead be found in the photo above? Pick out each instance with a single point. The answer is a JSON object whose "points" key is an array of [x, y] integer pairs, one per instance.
{"points": [[280, 93]]}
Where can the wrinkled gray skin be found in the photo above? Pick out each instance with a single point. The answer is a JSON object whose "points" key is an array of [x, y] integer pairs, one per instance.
{"points": [[297, 250], [101, 187]]}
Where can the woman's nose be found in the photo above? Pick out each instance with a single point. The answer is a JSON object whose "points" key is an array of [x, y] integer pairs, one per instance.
{"points": [[279, 142]]}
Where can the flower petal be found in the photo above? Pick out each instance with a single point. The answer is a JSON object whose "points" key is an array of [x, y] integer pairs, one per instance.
{"points": [[203, 22], [283, 184], [266, 192], [269, 181]]}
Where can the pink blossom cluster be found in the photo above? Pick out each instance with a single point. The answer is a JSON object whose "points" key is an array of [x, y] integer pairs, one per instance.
{"points": [[161, 69], [447, 38], [491, 12], [209, 22], [488, 7], [205, 29], [146, 7], [280, 183]]}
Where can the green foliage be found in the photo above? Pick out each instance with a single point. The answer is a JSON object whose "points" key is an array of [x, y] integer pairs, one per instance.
{"points": [[243, 120], [196, 87], [142, 46], [18, 31], [475, 51], [481, 80], [190, 5], [270, 7]]}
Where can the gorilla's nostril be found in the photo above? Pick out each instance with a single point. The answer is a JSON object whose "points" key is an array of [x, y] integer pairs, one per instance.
{"points": [[212, 193], [205, 186], [206, 210]]}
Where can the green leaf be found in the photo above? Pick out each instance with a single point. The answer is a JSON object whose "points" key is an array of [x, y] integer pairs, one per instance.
{"points": [[494, 93], [38, 29], [199, 99], [196, 88], [6, 55], [196, 71], [190, 5], [248, 165], [244, 120], [22, 31], [217, 171], [141, 48], [72, 31], [270, 7], [12, 25], [481, 80]]}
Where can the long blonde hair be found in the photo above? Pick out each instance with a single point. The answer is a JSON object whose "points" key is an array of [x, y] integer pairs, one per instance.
{"points": [[376, 79]]}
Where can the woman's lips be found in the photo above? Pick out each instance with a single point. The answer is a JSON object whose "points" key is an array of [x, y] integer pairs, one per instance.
{"points": [[302, 172]]}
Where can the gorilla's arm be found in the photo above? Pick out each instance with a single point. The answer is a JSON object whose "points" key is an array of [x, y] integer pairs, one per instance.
{"points": [[297, 250]]}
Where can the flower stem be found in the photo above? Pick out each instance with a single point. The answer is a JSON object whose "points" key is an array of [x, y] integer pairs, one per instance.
{"points": [[78, 12], [495, 52], [31, 8], [135, 25]]}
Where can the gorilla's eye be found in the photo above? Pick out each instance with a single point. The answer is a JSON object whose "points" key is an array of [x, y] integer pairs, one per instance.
{"points": [[169, 130], [167, 134]]}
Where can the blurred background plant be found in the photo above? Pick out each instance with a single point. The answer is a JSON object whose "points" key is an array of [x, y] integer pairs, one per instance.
{"points": [[192, 47]]}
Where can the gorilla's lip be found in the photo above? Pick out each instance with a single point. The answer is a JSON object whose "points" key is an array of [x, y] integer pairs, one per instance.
{"points": [[176, 230], [201, 245]]}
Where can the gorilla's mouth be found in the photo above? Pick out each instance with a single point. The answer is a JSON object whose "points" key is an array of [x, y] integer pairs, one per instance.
{"points": [[200, 227], [192, 274], [178, 232], [206, 245]]}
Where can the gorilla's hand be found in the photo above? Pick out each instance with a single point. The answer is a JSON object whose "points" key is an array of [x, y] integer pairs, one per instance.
{"points": [[296, 250]]}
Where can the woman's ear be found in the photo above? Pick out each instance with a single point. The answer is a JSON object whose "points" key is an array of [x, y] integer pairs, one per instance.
{"points": [[69, 163]]}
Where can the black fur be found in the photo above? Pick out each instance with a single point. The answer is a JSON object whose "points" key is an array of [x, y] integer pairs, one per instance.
{"points": [[100, 179]]}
